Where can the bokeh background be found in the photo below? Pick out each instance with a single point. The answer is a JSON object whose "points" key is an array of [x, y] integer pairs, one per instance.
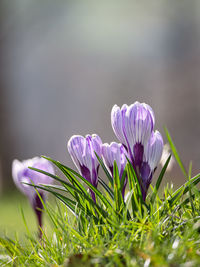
{"points": [[64, 64]]}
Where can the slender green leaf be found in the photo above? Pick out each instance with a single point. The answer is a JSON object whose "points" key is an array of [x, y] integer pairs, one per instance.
{"points": [[190, 191], [117, 188], [175, 152], [132, 189], [68, 186], [123, 178], [159, 180], [184, 189], [105, 169], [138, 182], [68, 172], [70, 177], [107, 188]]}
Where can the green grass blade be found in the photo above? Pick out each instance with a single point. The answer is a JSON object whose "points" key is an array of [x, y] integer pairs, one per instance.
{"points": [[97, 192], [69, 174], [107, 188], [105, 169], [190, 191], [175, 152], [132, 189], [138, 183], [159, 180], [70, 178], [184, 189], [69, 187], [123, 178], [86, 198], [117, 188]]}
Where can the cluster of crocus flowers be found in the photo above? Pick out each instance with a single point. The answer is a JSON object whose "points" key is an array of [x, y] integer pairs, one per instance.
{"points": [[23, 176], [134, 127], [82, 151]]}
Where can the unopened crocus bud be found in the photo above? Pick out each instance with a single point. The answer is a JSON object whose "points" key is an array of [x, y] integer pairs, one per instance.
{"points": [[134, 127], [115, 152], [22, 176], [82, 151]]}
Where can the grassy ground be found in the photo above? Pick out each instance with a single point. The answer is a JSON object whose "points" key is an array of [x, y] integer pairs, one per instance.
{"points": [[167, 235], [168, 239], [162, 231], [11, 220]]}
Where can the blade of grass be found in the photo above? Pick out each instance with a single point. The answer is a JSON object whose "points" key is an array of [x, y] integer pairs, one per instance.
{"points": [[175, 152], [132, 189], [117, 188], [62, 168], [136, 180], [184, 189], [159, 180], [105, 169], [190, 191], [107, 188], [66, 170], [68, 186], [123, 178], [69, 202]]}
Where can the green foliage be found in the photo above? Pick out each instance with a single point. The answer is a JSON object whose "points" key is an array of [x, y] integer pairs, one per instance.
{"points": [[162, 231]]}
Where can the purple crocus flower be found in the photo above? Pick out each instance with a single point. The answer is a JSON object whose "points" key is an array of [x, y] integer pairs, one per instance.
{"points": [[115, 152], [22, 174], [134, 127], [81, 150]]}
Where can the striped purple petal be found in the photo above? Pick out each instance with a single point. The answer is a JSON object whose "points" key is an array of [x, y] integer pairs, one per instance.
{"points": [[81, 150], [134, 127], [153, 150], [115, 152], [22, 174]]}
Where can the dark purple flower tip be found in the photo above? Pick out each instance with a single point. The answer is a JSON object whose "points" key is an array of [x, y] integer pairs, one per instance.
{"points": [[146, 175], [138, 152]]}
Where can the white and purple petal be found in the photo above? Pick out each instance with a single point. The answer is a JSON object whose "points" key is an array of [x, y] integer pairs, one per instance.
{"points": [[22, 174], [115, 152], [117, 122], [134, 127], [153, 150], [81, 150]]}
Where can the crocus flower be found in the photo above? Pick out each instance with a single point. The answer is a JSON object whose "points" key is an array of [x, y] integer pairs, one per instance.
{"points": [[81, 150], [134, 127], [115, 152], [22, 174]]}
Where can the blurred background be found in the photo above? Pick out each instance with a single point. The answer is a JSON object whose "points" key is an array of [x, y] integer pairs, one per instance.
{"points": [[64, 64]]}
